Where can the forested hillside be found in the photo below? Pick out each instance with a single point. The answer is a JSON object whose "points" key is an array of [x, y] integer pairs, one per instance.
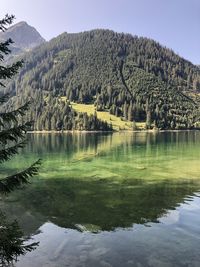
{"points": [[133, 78], [51, 113]]}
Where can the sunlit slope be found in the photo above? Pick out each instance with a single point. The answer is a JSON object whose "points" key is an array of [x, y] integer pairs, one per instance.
{"points": [[117, 122]]}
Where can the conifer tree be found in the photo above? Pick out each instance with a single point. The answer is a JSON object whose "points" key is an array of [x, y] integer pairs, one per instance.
{"points": [[12, 137], [12, 134]]}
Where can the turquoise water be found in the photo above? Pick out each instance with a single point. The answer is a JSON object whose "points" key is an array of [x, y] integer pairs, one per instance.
{"points": [[122, 199]]}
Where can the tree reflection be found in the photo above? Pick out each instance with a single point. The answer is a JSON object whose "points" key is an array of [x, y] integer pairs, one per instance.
{"points": [[12, 242]]}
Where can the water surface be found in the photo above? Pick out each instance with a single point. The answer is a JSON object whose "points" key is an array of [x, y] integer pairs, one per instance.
{"points": [[123, 199]]}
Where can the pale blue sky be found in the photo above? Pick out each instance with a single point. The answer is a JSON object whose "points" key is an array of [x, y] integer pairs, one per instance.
{"points": [[173, 23]]}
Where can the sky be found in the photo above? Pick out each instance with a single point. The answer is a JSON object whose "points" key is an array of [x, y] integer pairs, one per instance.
{"points": [[173, 23]]}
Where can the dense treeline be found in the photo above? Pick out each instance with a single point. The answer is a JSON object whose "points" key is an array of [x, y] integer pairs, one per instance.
{"points": [[131, 77], [52, 113]]}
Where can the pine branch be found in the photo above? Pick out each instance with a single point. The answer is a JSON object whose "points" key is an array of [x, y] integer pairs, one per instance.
{"points": [[4, 98], [7, 20], [14, 133], [12, 242], [11, 116], [9, 71], [12, 182], [4, 48], [7, 153]]}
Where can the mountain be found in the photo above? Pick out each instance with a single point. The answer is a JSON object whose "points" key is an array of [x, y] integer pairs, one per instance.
{"points": [[25, 37], [132, 77]]}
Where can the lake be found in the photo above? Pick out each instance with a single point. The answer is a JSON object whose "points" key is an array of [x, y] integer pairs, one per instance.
{"points": [[121, 199]]}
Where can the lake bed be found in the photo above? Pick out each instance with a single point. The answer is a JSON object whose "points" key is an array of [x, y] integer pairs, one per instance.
{"points": [[117, 199]]}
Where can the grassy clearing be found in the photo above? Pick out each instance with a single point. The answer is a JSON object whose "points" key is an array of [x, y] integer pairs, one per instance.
{"points": [[117, 123]]}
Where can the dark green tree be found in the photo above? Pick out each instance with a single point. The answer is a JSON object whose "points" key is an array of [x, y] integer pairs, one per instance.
{"points": [[12, 137]]}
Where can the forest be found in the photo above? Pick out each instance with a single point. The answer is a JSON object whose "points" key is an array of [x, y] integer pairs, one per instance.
{"points": [[133, 78]]}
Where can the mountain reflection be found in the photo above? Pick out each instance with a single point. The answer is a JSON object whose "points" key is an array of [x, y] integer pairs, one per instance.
{"points": [[96, 193], [99, 182], [95, 205]]}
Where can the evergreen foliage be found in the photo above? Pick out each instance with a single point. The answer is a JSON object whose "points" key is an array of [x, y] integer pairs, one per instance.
{"points": [[12, 243], [12, 133], [50, 112], [134, 78], [12, 137]]}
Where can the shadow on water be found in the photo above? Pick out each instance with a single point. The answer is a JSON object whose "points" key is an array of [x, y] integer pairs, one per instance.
{"points": [[96, 206]]}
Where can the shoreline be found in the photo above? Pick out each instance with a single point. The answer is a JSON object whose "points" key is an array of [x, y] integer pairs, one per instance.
{"points": [[123, 131]]}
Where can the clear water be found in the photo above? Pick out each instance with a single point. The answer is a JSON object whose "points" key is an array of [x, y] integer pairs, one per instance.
{"points": [[122, 199]]}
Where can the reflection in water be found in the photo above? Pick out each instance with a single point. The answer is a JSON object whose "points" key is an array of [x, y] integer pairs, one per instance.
{"points": [[115, 156], [111, 200], [174, 242], [97, 205], [12, 242]]}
